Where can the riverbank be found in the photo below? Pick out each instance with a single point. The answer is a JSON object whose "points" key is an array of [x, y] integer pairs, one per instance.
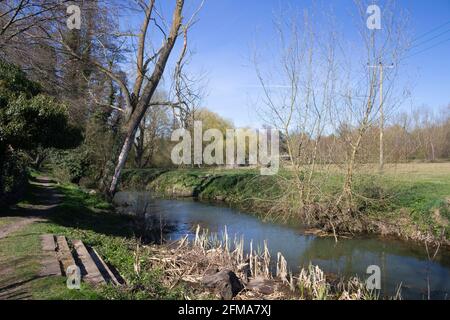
{"points": [[410, 203], [67, 210], [76, 215]]}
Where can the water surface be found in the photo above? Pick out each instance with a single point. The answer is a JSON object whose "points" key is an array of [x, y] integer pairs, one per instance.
{"points": [[400, 262]]}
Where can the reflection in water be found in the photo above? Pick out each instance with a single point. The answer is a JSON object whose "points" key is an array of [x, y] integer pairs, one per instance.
{"points": [[400, 262]]}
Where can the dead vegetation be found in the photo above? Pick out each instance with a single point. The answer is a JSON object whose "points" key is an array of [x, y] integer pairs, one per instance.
{"points": [[189, 262]]}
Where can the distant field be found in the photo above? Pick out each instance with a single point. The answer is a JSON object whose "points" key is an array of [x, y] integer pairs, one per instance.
{"points": [[401, 171], [419, 170]]}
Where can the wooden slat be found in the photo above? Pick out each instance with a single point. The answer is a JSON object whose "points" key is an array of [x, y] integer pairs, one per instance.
{"points": [[64, 253], [50, 264], [103, 267], [92, 273]]}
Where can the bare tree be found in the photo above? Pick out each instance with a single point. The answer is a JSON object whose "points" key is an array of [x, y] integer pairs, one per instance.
{"points": [[299, 90], [322, 104], [152, 130], [148, 59], [19, 16], [358, 105]]}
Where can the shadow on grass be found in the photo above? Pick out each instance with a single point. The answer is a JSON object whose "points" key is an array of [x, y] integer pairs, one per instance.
{"points": [[18, 284], [69, 207], [83, 218], [79, 210]]}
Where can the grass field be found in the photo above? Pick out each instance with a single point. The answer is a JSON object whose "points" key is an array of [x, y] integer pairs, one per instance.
{"points": [[413, 171]]}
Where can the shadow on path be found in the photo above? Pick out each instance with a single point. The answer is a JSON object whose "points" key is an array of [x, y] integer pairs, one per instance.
{"points": [[42, 199]]}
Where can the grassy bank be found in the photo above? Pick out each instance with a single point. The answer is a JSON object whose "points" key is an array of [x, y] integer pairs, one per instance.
{"points": [[410, 201], [24, 257], [90, 219]]}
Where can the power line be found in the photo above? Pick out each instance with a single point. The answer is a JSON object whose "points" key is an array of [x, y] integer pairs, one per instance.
{"points": [[426, 49], [430, 39], [431, 31]]}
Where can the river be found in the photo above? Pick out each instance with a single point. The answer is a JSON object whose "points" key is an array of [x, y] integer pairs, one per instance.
{"points": [[400, 262]]}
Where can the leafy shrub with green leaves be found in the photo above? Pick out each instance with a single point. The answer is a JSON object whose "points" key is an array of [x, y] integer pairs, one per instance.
{"points": [[27, 123], [70, 166], [14, 176], [29, 120]]}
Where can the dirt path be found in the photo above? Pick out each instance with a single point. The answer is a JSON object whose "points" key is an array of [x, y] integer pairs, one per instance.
{"points": [[16, 225], [44, 198]]}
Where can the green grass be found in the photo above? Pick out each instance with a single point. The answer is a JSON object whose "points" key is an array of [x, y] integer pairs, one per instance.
{"points": [[22, 253], [88, 218], [418, 199]]}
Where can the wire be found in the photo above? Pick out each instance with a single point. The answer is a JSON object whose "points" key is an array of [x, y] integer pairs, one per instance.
{"points": [[429, 48], [431, 31], [430, 39]]}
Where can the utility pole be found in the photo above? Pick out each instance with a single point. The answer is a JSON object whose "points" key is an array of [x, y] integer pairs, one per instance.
{"points": [[381, 67]]}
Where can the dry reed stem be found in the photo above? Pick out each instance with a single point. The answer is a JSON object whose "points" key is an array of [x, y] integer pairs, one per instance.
{"points": [[188, 261]]}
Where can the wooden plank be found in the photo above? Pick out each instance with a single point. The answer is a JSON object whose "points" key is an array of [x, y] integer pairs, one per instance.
{"points": [[91, 272], [64, 253], [48, 242], [103, 267], [50, 263]]}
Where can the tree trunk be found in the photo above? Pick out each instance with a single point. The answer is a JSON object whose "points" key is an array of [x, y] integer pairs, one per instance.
{"points": [[139, 148], [122, 159], [138, 112], [40, 158], [433, 155]]}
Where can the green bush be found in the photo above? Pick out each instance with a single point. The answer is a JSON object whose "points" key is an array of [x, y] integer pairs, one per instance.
{"points": [[70, 166], [13, 177], [29, 121]]}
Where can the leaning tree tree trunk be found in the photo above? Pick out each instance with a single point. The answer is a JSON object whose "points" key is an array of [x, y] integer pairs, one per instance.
{"points": [[139, 147], [121, 163], [141, 106]]}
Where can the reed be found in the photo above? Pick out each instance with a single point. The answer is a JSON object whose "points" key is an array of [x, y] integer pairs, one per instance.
{"points": [[188, 261]]}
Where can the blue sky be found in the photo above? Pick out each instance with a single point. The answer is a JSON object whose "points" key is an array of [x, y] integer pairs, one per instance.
{"points": [[227, 29]]}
